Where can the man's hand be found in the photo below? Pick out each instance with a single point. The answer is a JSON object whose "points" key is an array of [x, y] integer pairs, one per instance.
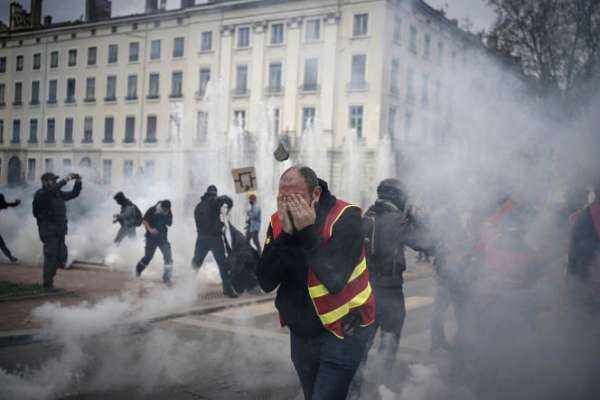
{"points": [[303, 214], [282, 212], [18, 201], [153, 231]]}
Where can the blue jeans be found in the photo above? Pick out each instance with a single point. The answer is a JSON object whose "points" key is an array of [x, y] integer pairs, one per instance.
{"points": [[326, 364]]}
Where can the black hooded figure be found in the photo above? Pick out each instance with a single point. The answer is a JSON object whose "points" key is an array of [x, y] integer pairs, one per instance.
{"points": [[210, 229], [128, 217], [3, 206], [388, 227]]}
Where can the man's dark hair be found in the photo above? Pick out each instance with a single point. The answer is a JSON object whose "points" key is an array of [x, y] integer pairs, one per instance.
{"points": [[166, 204], [309, 176]]}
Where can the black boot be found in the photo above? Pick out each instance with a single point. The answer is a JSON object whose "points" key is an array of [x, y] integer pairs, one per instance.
{"points": [[13, 259], [139, 268]]}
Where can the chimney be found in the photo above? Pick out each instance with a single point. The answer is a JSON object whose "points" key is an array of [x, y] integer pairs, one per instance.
{"points": [[48, 20], [151, 6], [97, 10], [36, 13], [187, 3]]}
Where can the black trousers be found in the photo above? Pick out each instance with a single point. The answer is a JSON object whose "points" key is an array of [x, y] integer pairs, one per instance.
{"points": [[55, 256], [214, 244], [252, 238], [153, 243], [4, 248]]}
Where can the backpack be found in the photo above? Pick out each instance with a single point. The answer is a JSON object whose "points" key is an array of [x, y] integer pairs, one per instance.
{"points": [[368, 230], [138, 216]]}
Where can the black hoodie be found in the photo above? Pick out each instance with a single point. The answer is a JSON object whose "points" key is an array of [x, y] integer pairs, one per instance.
{"points": [[285, 260]]}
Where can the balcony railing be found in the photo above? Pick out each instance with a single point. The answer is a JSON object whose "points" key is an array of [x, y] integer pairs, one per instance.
{"points": [[310, 88], [17, 103], [51, 101], [153, 96], [357, 86], [34, 102], [110, 99], [89, 100], [275, 90], [70, 100], [241, 92], [176, 95], [131, 98]]}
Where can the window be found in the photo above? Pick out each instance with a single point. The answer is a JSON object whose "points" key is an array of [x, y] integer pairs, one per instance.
{"points": [[425, 91], [128, 169], [308, 117], [52, 91], [49, 165], [392, 122], [109, 127], [2, 94], [277, 34], [410, 86], [88, 130], [359, 67], [154, 86], [70, 91], [178, 47], [311, 74], [440, 53], [313, 30], [176, 84], [129, 129], [155, 50], [72, 58], [241, 79], [37, 61], [243, 37], [201, 126], [111, 88], [106, 172], [356, 120], [91, 55], [151, 129], [50, 130], [413, 39], [1, 131], [134, 51], [132, 87], [90, 89], [68, 130], [397, 34], [35, 93], [394, 77], [113, 53], [239, 119], [276, 114], [33, 131], [67, 164], [18, 99], [361, 25], [2, 65], [16, 133], [274, 77], [206, 41], [149, 168], [427, 50], [20, 59], [204, 79], [31, 169], [54, 59]]}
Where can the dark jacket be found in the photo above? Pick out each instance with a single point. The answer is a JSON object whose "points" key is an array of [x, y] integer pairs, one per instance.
{"points": [[158, 221], [50, 210], [584, 245], [4, 204], [241, 260], [206, 215], [284, 264], [387, 229], [127, 217]]}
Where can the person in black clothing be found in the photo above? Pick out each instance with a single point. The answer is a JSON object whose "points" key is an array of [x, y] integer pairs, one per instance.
{"points": [[3, 206], [210, 228], [50, 211], [156, 221], [324, 361], [127, 217], [388, 227]]}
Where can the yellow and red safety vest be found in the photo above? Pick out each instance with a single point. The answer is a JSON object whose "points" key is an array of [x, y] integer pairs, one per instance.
{"points": [[356, 295]]}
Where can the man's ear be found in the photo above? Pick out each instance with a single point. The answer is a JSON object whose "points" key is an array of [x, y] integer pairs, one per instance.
{"points": [[317, 193]]}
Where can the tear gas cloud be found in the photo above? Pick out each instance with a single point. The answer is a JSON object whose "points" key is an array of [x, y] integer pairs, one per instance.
{"points": [[495, 141]]}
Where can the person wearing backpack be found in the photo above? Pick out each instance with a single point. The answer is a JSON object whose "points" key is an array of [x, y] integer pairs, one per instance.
{"points": [[388, 226], [210, 228], [130, 217]]}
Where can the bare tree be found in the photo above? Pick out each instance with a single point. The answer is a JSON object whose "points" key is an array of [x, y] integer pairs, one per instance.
{"points": [[556, 41]]}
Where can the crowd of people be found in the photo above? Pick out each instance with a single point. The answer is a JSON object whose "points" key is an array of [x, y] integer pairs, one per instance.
{"points": [[338, 273]]}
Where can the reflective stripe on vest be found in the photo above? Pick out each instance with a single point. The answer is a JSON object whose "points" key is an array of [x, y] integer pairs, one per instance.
{"points": [[357, 294]]}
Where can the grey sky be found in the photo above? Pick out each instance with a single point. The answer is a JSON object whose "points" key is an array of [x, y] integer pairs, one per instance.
{"points": [[63, 10]]}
